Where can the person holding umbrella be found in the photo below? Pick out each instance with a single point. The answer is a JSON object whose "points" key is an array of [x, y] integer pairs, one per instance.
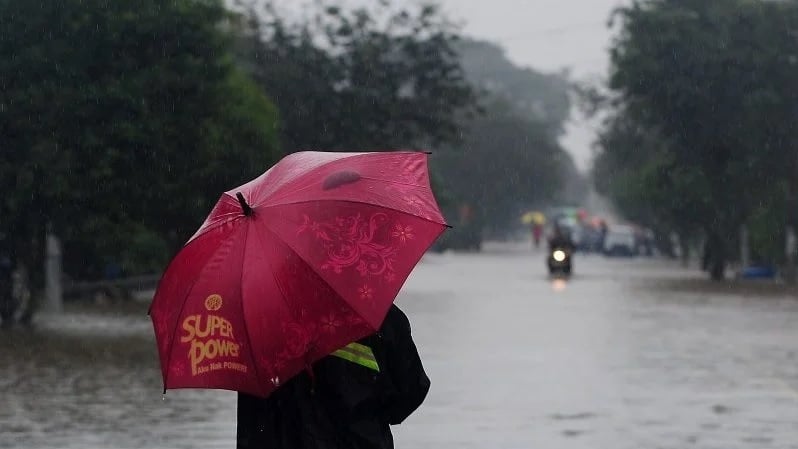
{"points": [[536, 220], [285, 295], [348, 401]]}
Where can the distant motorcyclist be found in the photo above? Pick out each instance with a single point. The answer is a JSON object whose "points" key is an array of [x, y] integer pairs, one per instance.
{"points": [[560, 239], [561, 247]]}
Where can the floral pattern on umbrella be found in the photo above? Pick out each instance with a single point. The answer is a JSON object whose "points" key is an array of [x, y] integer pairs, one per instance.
{"points": [[351, 242]]}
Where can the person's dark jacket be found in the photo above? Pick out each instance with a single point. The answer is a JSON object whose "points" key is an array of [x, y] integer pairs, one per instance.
{"points": [[561, 241], [344, 405]]}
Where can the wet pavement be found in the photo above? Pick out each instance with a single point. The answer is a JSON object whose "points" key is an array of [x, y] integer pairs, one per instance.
{"points": [[624, 355]]}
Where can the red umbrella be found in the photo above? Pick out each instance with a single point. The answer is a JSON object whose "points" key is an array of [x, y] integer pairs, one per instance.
{"points": [[292, 266]]}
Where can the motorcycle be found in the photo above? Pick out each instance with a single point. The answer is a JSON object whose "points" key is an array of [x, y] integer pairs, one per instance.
{"points": [[559, 261]]}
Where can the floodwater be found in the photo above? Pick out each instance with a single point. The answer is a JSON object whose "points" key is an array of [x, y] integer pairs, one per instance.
{"points": [[625, 355]]}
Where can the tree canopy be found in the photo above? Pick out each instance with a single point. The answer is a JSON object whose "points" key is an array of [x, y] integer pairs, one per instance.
{"points": [[702, 128], [366, 78], [121, 122]]}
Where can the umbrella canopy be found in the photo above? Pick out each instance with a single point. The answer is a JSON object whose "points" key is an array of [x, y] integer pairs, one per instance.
{"points": [[533, 217], [292, 266]]}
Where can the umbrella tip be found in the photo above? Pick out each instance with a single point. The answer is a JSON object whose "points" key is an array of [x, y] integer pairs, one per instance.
{"points": [[244, 206]]}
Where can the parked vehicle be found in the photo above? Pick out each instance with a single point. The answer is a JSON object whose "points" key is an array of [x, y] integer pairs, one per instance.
{"points": [[621, 241]]}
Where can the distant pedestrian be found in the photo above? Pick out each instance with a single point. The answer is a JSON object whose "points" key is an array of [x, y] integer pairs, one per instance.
{"points": [[537, 233]]}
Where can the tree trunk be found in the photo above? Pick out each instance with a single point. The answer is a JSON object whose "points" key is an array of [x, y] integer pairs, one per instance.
{"points": [[685, 250], [25, 297], [8, 306], [791, 219], [665, 243], [717, 255], [7, 303], [789, 274]]}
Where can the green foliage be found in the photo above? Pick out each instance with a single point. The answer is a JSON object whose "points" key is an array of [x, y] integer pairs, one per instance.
{"points": [[702, 130], [637, 170], [122, 121], [766, 228], [356, 79]]}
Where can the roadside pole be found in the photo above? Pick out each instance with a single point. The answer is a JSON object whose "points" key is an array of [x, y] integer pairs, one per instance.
{"points": [[54, 297]]}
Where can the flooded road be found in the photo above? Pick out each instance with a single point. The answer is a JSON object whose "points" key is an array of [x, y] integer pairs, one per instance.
{"points": [[621, 356]]}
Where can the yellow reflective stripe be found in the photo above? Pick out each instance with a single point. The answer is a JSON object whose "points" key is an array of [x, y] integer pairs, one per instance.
{"points": [[360, 349], [357, 353], [362, 352], [370, 364]]}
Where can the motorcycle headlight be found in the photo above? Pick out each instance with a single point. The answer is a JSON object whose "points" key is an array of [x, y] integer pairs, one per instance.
{"points": [[559, 255]]}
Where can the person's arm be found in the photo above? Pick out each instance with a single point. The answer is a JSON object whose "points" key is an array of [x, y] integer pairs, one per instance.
{"points": [[405, 368]]}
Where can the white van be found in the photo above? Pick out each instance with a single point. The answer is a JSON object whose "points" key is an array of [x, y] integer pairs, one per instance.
{"points": [[620, 241]]}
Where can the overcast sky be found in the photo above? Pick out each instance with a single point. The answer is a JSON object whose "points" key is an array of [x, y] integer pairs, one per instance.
{"points": [[547, 35]]}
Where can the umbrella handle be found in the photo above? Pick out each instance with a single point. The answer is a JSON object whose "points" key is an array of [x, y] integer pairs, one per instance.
{"points": [[244, 206]]}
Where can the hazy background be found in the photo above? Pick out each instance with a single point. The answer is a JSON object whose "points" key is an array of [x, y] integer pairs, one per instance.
{"points": [[551, 36]]}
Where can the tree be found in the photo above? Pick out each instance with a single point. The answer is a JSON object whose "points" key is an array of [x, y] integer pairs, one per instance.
{"points": [[540, 97], [636, 170], [716, 82], [509, 157], [365, 78], [121, 122]]}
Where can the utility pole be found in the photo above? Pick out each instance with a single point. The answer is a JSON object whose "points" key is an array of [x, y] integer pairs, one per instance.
{"points": [[791, 216], [745, 248], [789, 253], [53, 275]]}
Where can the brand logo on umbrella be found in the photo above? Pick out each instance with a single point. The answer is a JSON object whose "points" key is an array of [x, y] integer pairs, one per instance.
{"points": [[211, 337], [213, 303]]}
